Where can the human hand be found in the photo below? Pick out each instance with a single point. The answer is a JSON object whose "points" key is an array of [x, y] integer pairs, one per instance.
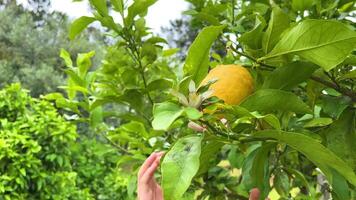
{"points": [[147, 187]]}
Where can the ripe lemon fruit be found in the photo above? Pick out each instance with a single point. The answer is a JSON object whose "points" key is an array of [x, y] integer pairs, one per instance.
{"points": [[234, 83]]}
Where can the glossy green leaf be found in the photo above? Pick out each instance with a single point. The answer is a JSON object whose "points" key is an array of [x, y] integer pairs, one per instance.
{"points": [[313, 150], [96, 116], [317, 122], [334, 106], [279, 22], [253, 38], [272, 100], [159, 84], [179, 166], [118, 5], [84, 62], [287, 77], [259, 172], [197, 61], [281, 183], [340, 188], [100, 6], [79, 25], [209, 151], [192, 113], [298, 175], [301, 5], [164, 114], [323, 42], [139, 7], [341, 137], [66, 57]]}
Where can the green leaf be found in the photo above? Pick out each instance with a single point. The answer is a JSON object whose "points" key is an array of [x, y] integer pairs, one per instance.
{"points": [[341, 137], [253, 38], [66, 57], [192, 113], [334, 106], [287, 77], [209, 151], [298, 175], [278, 23], [169, 52], [79, 25], [281, 183], [135, 127], [313, 150], [197, 61], [100, 6], [317, 122], [259, 172], [179, 166], [84, 62], [271, 100], [159, 84], [164, 114], [340, 188], [323, 42], [301, 5], [118, 5], [139, 7], [350, 75]]}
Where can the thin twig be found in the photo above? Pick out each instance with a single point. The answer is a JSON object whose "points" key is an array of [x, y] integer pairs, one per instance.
{"points": [[123, 150]]}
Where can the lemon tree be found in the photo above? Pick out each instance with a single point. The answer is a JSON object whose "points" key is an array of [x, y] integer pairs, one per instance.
{"points": [[272, 106]]}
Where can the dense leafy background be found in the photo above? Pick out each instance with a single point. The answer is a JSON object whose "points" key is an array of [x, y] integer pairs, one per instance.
{"points": [[132, 92]]}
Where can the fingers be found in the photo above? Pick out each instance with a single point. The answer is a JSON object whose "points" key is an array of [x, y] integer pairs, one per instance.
{"points": [[148, 162], [254, 194], [148, 174]]}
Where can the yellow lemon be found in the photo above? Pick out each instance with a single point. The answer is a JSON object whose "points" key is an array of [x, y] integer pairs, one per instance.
{"points": [[234, 83]]}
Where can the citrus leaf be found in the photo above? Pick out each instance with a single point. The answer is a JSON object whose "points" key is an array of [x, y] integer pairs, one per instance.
{"points": [[100, 6], [197, 61], [79, 25], [139, 7], [271, 100], [341, 137], [118, 5], [259, 172], [317, 122], [323, 42], [192, 113], [165, 114], [159, 84], [322, 157], [179, 166], [253, 38], [278, 23], [287, 77], [301, 5]]}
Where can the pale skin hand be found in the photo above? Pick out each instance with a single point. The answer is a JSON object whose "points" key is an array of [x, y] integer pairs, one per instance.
{"points": [[149, 189]]}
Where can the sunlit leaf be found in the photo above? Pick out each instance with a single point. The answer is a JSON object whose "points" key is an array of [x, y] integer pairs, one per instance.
{"points": [[324, 42], [197, 61], [179, 166], [79, 25], [164, 114]]}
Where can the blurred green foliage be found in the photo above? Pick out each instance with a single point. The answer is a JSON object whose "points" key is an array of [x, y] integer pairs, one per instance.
{"points": [[29, 49], [42, 156]]}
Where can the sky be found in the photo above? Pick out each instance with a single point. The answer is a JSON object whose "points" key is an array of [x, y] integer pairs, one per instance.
{"points": [[158, 15]]}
